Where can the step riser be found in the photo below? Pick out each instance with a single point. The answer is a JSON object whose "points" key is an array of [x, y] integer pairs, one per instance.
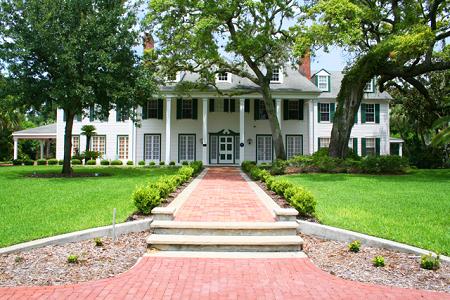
{"points": [[227, 232], [232, 248]]}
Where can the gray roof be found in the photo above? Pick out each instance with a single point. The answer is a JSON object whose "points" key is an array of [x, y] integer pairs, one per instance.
{"points": [[335, 85], [49, 129], [293, 81]]}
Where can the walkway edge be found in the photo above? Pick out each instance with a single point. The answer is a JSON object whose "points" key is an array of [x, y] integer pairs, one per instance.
{"points": [[343, 235], [122, 228]]}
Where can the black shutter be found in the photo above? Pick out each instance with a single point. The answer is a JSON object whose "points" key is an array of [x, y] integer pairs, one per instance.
{"points": [[145, 111], [256, 112], [247, 105], [194, 109], [64, 116], [211, 105], [179, 106], [285, 109], [300, 109], [160, 109], [118, 114], [225, 105], [377, 113], [91, 114], [232, 105]]}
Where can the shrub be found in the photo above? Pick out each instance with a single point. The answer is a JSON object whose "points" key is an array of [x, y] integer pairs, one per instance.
{"points": [[116, 162], [322, 152], [301, 161], [391, 164], [104, 162], [430, 262], [255, 173], [88, 155], [185, 163], [378, 261], [172, 163], [76, 162], [98, 242], [278, 167], [130, 163], [165, 185], [141, 163], [186, 172], [279, 186], [28, 162], [152, 163], [61, 162], [247, 165], [41, 162], [197, 166], [17, 162], [264, 174], [91, 162], [52, 162], [270, 181], [177, 179], [161, 163], [354, 246], [303, 201], [146, 198], [72, 259]]}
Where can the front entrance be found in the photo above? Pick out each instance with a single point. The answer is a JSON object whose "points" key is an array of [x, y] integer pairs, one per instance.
{"points": [[226, 145]]}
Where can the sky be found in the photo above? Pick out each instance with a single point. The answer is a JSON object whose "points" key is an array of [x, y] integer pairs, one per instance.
{"points": [[335, 60]]}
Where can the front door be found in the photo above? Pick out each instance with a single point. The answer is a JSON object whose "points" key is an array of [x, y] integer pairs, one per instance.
{"points": [[226, 145]]}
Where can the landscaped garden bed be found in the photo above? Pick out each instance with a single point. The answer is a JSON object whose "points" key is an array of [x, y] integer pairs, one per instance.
{"points": [[50, 265], [400, 270]]}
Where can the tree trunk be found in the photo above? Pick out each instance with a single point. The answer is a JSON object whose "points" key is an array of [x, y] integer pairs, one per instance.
{"points": [[348, 102], [277, 137], [67, 169]]}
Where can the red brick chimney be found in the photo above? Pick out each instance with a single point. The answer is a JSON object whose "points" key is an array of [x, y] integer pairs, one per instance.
{"points": [[304, 65], [149, 43]]}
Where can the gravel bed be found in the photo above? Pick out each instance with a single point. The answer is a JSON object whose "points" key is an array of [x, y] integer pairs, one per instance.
{"points": [[401, 269], [49, 266]]}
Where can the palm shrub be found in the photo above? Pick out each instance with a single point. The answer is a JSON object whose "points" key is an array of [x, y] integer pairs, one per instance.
{"points": [[146, 198], [89, 132]]}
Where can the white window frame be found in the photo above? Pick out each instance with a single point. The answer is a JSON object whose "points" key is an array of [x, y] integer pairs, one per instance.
{"points": [[124, 148], [293, 147], [75, 137], [221, 79], [373, 147], [152, 147], [279, 70], [325, 77], [324, 112], [187, 148], [266, 155], [325, 140], [97, 146], [369, 87], [372, 112]]}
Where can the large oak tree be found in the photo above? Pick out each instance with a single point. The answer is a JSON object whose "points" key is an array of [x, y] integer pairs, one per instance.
{"points": [[75, 54]]}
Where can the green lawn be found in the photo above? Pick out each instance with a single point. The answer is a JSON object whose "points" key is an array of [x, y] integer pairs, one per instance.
{"points": [[32, 208], [413, 209]]}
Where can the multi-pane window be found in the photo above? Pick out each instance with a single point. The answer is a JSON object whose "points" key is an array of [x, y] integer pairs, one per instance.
{"points": [[186, 149], [186, 108], [324, 143], [276, 75], [322, 82], [370, 113], [369, 87], [371, 146], [223, 77], [293, 109], [324, 109], [152, 146], [122, 146], [264, 148], [261, 110], [75, 145], [214, 147], [294, 145], [99, 144], [152, 109]]}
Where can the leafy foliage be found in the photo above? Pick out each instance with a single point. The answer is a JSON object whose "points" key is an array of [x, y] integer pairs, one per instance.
{"points": [[430, 262], [378, 261], [354, 246]]}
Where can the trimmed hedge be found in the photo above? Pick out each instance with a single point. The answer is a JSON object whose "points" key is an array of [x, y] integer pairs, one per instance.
{"points": [[104, 162], [91, 162], [60, 162], [130, 163], [17, 162], [41, 162], [116, 162], [52, 162], [172, 163], [76, 162], [28, 162], [141, 163]]}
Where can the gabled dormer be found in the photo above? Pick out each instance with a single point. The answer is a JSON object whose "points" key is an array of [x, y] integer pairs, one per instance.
{"points": [[370, 86], [322, 80]]}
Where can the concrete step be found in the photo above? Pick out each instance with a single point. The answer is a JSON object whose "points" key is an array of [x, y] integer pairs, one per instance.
{"points": [[224, 228], [170, 242]]}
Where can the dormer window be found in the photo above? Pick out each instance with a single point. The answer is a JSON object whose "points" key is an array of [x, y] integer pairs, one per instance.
{"points": [[223, 77], [276, 76], [323, 83], [369, 87], [173, 77]]}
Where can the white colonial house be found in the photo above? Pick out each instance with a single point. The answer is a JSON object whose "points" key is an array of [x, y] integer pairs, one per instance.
{"points": [[218, 129]]}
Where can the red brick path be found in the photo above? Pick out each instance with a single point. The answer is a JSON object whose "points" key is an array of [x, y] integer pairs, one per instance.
{"points": [[223, 195], [212, 278]]}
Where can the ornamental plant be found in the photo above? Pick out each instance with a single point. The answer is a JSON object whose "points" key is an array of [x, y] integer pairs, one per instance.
{"points": [[72, 259], [430, 262], [354, 246], [378, 261]]}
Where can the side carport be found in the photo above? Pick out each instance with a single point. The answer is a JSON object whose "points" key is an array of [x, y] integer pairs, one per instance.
{"points": [[44, 134]]}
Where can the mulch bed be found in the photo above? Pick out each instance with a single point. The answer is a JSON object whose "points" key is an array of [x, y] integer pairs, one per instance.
{"points": [[401, 269], [49, 266]]}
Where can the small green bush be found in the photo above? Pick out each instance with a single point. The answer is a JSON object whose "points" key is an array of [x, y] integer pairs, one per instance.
{"points": [[52, 162], [378, 261], [185, 163], [172, 163], [104, 162], [28, 162], [322, 152], [91, 162], [61, 162], [72, 259], [130, 163], [354, 246], [146, 198], [255, 173], [185, 172], [98, 242], [152, 163], [278, 167], [75, 162], [247, 165], [162, 163], [141, 163], [197, 166], [165, 185], [17, 162], [303, 201], [279, 186], [301, 161], [41, 162], [116, 162], [430, 262], [264, 174], [177, 179]]}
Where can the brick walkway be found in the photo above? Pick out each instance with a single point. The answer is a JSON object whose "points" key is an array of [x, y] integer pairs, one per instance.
{"points": [[212, 278], [223, 195]]}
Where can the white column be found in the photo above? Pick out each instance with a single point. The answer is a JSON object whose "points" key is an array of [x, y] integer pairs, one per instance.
{"points": [[131, 142], [15, 148], [168, 117], [205, 132], [400, 149], [311, 123], [241, 129], [42, 149], [278, 110]]}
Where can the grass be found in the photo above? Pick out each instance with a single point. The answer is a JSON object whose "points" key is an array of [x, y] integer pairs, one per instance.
{"points": [[32, 208], [412, 209]]}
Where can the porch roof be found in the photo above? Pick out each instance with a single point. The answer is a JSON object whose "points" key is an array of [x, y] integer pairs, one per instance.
{"points": [[395, 140], [41, 132]]}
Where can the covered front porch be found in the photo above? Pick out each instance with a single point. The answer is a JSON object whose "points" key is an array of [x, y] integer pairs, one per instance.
{"points": [[46, 135]]}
